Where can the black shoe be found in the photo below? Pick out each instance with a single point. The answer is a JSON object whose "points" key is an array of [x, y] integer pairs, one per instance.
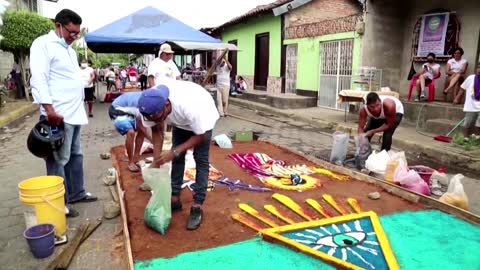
{"points": [[176, 206], [71, 212], [195, 218]]}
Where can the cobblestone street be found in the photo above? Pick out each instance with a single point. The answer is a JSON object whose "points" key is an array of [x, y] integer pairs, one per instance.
{"points": [[103, 250]]}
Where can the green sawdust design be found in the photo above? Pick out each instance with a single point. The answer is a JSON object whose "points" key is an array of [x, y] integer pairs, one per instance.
{"points": [[420, 240]]}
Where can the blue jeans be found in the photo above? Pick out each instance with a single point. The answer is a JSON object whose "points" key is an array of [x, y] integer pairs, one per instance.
{"points": [[200, 154], [68, 164]]}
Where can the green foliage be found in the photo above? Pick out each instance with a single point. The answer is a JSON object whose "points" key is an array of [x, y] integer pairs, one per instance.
{"points": [[102, 59], [20, 29], [468, 143]]}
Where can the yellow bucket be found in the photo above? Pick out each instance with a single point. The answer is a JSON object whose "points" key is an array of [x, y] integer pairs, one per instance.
{"points": [[46, 195]]}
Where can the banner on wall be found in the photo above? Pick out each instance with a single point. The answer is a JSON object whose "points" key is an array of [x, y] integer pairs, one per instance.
{"points": [[432, 34]]}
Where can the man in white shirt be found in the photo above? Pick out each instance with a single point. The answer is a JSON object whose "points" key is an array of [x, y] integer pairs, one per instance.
{"points": [[471, 86], [57, 87], [163, 67], [223, 86], [191, 110], [88, 76]]}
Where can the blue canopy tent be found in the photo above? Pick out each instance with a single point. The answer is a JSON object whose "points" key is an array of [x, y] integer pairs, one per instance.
{"points": [[143, 31]]}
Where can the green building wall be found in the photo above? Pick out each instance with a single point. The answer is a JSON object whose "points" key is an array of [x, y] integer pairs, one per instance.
{"points": [[308, 58], [245, 34]]}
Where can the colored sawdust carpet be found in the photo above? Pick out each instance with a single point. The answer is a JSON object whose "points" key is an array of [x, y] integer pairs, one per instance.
{"points": [[420, 240], [354, 241]]}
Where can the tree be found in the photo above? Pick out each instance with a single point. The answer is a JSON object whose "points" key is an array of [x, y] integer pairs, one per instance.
{"points": [[20, 29]]}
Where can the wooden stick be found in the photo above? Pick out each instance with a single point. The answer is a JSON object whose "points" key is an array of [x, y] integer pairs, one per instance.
{"points": [[126, 232], [213, 67], [93, 226], [64, 258], [114, 193]]}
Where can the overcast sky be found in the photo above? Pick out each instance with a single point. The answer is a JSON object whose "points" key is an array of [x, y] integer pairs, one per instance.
{"points": [[196, 13]]}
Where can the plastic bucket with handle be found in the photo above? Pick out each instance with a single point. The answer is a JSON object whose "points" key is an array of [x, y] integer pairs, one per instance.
{"points": [[46, 195]]}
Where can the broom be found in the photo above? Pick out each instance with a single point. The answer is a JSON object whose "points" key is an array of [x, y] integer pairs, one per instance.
{"points": [[446, 138]]}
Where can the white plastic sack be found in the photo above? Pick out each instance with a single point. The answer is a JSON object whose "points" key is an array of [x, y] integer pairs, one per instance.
{"points": [[377, 162], [158, 211], [411, 180], [223, 141], [146, 146], [339, 147], [455, 194]]}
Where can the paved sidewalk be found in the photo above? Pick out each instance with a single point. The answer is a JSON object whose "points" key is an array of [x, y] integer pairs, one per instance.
{"points": [[14, 110], [424, 148]]}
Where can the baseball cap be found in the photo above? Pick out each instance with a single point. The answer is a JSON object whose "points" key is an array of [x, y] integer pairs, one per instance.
{"points": [[153, 100], [166, 48]]}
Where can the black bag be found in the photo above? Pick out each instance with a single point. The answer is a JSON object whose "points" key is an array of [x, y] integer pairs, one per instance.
{"points": [[412, 72]]}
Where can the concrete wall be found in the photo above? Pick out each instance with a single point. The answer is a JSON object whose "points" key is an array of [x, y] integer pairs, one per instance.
{"points": [[321, 10], [389, 30], [384, 35], [308, 58], [245, 34]]}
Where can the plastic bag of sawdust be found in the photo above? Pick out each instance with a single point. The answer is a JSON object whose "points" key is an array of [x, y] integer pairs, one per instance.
{"points": [[339, 147], [158, 211], [455, 194]]}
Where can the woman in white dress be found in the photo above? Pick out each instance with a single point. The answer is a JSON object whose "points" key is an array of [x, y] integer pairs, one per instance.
{"points": [[455, 69]]}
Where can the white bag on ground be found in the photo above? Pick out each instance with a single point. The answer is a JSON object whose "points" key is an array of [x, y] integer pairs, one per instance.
{"points": [[377, 162], [339, 147], [398, 156], [223, 141], [158, 211], [455, 194]]}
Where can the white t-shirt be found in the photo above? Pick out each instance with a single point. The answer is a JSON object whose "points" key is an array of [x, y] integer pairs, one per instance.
{"points": [[430, 69], [223, 75], [456, 66], [86, 77], [471, 105], [161, 69], [193, 107]]}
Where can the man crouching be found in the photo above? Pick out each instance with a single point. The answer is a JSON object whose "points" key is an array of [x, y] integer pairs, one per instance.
{"points": [[190, 109]]}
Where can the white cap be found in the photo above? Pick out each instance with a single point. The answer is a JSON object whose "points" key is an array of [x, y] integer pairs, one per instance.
{"points": [[165, 48]]}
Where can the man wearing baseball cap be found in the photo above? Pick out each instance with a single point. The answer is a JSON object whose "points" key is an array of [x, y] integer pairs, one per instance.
{"points": [[190, 109], [163, 67]]}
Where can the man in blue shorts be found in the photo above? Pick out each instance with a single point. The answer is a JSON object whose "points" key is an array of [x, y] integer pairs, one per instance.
{"points": [[128, 122]]}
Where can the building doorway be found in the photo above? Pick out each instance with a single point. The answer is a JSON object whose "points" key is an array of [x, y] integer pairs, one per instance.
{"points": [[262, 53], [335, 71]]}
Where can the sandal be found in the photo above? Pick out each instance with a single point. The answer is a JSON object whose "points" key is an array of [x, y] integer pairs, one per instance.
{"points": [[133, 168]]}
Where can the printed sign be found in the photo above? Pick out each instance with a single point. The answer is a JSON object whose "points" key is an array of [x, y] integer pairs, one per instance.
{"points": [[432, 34]]}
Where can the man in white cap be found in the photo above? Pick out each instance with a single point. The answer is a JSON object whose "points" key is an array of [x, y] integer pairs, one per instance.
{"points": [[163, 67]]}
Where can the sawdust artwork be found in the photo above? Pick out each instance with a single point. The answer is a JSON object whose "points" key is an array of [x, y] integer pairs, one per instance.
{"points": [[347, 240], [276, 173], [355, 241]]}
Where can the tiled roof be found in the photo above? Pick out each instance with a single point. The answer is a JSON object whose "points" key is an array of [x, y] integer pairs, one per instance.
{"points": [[257, 10]]}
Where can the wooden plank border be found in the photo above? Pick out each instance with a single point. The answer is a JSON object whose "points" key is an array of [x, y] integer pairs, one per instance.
{"points": [[126, 232], [390, 188]]}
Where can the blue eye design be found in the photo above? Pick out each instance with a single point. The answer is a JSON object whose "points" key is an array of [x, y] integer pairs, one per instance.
{"points": [[353, 241]]}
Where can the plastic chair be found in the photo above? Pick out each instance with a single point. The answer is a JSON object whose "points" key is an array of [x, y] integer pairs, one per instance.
{"points": [[430, 86]]}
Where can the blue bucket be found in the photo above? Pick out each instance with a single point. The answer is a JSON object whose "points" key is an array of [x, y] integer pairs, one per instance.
{"points": [[41, 239]]}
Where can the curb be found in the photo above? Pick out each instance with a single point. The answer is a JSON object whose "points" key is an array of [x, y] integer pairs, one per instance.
{"points": [[17, 113], [460, 161]]}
